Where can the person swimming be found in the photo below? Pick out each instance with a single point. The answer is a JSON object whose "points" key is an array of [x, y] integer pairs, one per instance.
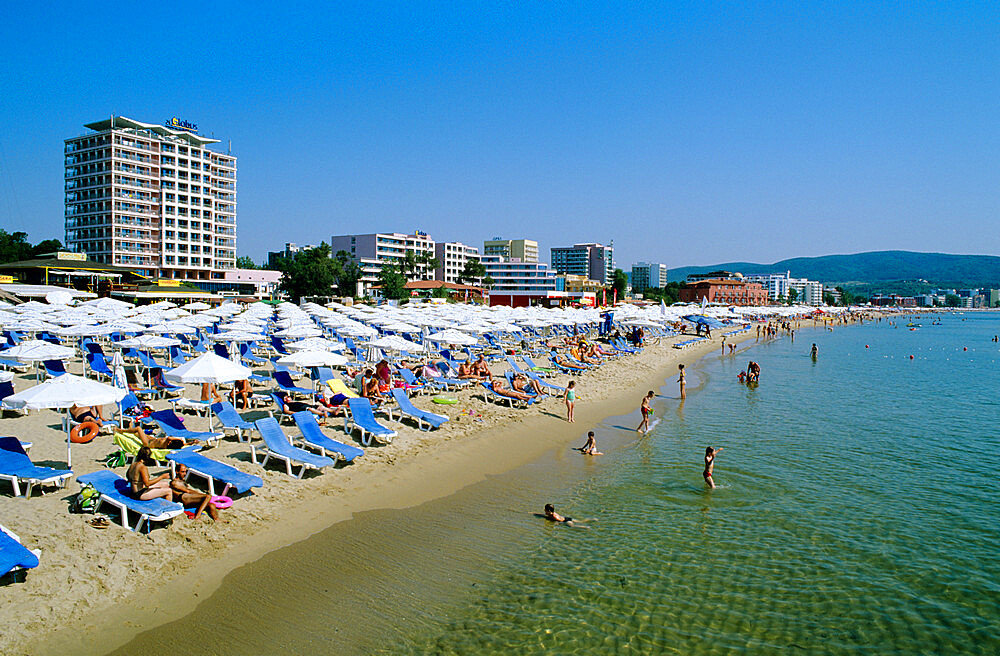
{"points": [[553, 516]]}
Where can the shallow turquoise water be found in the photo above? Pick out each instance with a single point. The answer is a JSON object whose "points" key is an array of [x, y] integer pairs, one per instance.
{"points": [[856, 513]]}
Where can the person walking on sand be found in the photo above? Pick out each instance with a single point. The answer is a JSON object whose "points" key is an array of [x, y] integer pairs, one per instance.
{"points": [[645, 410], [590, 448], [710, 454], [570, 396], [681, 381]]}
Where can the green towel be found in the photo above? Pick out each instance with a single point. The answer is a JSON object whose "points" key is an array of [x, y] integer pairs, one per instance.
{"points": [[131, 444]]}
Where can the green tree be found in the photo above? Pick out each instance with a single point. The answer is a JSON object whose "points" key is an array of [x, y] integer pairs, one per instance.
{"points": [[668, 294], [829, 299], [473, 273], [46, 246], [14, 246], [348, 273], [441, 292], [309, 273], [793, 295], [952, 300], [619, 284], [488, 281], [846, 297], [244, 262], [393, 282], [412, 265]]}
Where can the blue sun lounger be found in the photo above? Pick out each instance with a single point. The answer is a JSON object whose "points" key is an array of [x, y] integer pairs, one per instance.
{"points": [[363, 418], [407, 409], [170, 423], [312, 436], [14, 556], [231, 420], [16, 467], [277, 446], [284, 381], [213, 471], [490, 394], [115, 490]]}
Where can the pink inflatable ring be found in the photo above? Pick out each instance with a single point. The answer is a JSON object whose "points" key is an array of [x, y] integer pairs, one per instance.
{"points": [[222, 502]]}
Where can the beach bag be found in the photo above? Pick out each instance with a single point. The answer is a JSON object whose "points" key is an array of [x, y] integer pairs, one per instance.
{"points": [[117, 459], [85, 500]]}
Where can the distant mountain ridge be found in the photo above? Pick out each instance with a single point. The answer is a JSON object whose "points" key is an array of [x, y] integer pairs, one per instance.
{"points": [[875, 267]]}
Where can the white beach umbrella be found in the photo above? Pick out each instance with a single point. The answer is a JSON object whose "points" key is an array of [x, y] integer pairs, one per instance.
{"points": [[395, 343], [59, 297], [36, 350], [454, 337], [197, 305], [300, 331], [208, 368], [148, 342], [315, 344], [64, 392], [310, 358]]}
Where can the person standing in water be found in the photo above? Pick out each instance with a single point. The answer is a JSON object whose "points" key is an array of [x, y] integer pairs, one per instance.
{"points": [[710, 454], [645, 410], [681, 381], [814, 352]]}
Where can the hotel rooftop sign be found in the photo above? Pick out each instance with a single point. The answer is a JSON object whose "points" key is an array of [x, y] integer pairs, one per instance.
{"points": [[178, 124]]}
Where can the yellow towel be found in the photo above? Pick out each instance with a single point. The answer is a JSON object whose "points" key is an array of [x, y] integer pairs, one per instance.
{"points": [[337, 386], [131, 444]]}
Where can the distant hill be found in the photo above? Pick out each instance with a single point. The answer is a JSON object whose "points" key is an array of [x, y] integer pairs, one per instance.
{"points": [[877, 267]]}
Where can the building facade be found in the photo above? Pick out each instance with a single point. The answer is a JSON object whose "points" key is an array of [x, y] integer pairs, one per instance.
{"points": [[729, 292], [452, 257], [525, 250], [516, 276], [593, 261], [152, 198], [374, 250], [648, 274]]}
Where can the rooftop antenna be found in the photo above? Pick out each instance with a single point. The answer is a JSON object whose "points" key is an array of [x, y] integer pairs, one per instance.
{"points": [[229, 150]]}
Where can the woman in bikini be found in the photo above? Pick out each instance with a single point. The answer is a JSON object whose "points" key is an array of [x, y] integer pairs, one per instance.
{"points": [[681, 381], [710, 454], [143, 487]]}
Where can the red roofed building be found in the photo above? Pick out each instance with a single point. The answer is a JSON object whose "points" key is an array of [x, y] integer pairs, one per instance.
{"points": [[730, 292]]}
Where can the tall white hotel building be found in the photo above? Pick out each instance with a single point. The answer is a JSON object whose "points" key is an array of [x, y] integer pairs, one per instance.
{"points": [[152, 198]]}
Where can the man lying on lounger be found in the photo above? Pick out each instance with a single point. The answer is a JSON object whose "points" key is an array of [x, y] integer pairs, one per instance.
{"points": [[525, 385], [502, 390], [156, 442], [188, 497], [563, 362]]}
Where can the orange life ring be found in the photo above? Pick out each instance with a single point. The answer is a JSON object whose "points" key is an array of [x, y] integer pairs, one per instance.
{"points": [[84, 432]]}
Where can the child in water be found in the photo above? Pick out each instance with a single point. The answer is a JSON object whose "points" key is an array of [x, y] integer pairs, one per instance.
{"points": [[646, 411], [553, 516], [590, 448], [710, 454]]}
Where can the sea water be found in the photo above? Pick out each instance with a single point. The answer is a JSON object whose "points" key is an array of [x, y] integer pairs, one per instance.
{"points": [[856, 512]]}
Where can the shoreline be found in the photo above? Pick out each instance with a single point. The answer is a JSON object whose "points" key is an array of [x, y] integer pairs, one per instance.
{"points": [[425, 473]]}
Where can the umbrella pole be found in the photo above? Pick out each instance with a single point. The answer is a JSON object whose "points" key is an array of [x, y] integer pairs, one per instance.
{"points": [[69, 442]]}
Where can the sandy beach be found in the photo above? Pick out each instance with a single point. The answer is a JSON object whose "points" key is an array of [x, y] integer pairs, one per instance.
{"points": [[97, 588]]}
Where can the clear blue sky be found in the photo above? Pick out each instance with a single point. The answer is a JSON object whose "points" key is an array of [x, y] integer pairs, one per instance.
{"points": [[688, 133]]}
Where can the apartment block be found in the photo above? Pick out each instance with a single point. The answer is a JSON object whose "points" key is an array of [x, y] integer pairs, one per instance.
{"points": [[373, 250], [593, 261], [452, 257], [152, 198], [516, 276], [524, 250], [648, 274]]}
